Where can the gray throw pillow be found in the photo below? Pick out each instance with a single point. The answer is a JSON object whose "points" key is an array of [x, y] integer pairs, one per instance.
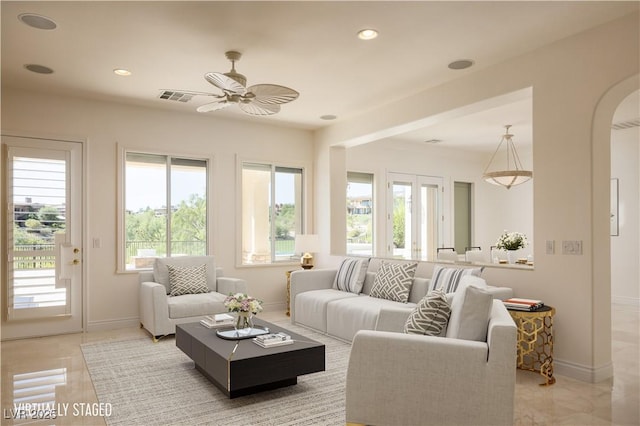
{"points": [[188, 280], [430, 316], [393, 281]]}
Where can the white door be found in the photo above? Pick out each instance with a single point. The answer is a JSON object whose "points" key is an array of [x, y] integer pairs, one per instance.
{"points": [[42, 282], [415, 216]]}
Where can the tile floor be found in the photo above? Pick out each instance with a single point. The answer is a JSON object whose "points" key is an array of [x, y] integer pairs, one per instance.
{"points": [[56, 366]]}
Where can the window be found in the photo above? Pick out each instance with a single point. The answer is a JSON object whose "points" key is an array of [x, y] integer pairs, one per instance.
{"points": [[165, 208], [272, 212], [359, 214]]}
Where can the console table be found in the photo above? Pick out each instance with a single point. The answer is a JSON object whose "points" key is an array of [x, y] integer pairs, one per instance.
{"points": [[535, 341]]}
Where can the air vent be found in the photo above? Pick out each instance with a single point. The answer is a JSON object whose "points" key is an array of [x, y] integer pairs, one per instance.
{"points": [[626, 124], [172, 95]]}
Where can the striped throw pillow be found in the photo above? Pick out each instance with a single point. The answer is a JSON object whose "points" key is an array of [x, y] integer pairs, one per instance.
{"points": [[448, 279], [430, 316], [185, 280], [351, 274]]}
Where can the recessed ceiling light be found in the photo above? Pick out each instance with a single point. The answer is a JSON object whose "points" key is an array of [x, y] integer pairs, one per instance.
{"points": [[37, 21], [328, 117], [122, 72], [461, 64], [40, 69], [367, 34]]}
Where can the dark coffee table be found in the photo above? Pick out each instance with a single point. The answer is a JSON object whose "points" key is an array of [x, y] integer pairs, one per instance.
{"points": [[240, 367]]}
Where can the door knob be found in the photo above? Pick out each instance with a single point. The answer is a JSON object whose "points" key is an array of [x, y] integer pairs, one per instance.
{"points": [[76, 261]]}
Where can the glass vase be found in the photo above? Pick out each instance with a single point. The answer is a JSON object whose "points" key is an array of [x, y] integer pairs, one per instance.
{"points": [[244, 320]]}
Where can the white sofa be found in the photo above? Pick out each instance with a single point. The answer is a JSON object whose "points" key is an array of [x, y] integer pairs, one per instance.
{"points": [[160, 312], [317, 305], [407, 379]]}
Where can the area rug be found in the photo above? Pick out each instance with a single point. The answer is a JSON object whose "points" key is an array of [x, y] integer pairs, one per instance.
{"points": [[148, 383]]}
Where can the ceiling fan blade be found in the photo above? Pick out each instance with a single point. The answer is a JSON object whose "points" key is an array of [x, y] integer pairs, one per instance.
{"points": [[213, 106], [224, 83], [272, 94], [258, 108]]}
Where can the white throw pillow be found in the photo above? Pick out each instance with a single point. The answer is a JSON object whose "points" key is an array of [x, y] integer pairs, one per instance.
{"points": [[350, 276], [189, 280], [430, 316], [470, 309]]}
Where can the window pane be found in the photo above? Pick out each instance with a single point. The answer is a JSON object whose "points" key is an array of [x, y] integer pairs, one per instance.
{"points": [[402, 236], [256, 207], [359, 214], [288, 211], [188, 207], [145, 209], [271, 212]]}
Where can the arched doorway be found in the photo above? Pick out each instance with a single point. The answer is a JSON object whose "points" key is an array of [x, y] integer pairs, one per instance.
{"points": [[601, 190]]}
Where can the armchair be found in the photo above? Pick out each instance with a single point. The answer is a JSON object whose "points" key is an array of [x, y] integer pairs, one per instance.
{"points": [[160, 312], [405, 379]]}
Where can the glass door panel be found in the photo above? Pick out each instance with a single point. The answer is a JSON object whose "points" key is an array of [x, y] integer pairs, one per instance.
{"points": [[44, 227]]}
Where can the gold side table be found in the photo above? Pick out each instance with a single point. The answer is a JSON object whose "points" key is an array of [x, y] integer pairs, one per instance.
{"points": [[288, 273], [535, 341]]}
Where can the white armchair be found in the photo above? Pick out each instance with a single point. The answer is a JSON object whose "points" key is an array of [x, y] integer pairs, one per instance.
{"points": [[160, 312], [406, 379]]}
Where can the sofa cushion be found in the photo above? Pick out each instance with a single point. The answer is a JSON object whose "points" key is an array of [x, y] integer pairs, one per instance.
{"points": [[311, 306], [161, 273], [345, 317], [448, 279], [192, 305], [393, 281], [470, 310], [188, 280], [430, 316], [350, 276], [419, 289]]}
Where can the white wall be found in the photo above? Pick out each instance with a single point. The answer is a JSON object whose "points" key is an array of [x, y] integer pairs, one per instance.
{"points": [[570, 80], [625, 248], [495, 208], [113, 297]]}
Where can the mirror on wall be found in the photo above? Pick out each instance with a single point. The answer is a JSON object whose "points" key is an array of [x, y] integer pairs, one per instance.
{"points": [[430, 201]]}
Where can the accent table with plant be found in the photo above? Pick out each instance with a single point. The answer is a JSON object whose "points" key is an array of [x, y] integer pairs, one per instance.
{"points": [[245, 307]]}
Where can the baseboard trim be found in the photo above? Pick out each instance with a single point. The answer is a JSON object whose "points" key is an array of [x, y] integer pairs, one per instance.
{"points": [[112, 324], [582, 372]]}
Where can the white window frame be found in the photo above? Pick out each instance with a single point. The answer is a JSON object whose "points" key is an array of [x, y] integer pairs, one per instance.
{"points": [[307, 207], [121, 203], [373, 212]]}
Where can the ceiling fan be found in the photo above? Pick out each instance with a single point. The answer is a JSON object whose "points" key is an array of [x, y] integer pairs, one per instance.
{"points": [[259, 99]]}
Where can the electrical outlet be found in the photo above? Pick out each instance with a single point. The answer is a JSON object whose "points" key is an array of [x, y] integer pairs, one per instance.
{"points": [[551, 247], [572, 247], [97, 243]]}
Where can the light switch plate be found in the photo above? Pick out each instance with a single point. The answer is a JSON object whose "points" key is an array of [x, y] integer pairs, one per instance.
{"points": [[572, 247], [551, 247]]}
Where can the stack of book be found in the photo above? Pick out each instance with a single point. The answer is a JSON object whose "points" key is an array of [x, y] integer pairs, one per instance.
{"points": [[273, 339], [523, 304], [217, 321]]}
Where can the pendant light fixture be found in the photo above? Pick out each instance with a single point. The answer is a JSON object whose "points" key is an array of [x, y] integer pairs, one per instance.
{"points": [[513, 174]]}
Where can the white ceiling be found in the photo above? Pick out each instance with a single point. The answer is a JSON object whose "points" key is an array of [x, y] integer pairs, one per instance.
{"points": [[309, 46]]}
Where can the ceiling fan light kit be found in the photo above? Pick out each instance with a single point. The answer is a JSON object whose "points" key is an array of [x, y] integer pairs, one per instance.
{"points": [[513, 174], [259, 99]]}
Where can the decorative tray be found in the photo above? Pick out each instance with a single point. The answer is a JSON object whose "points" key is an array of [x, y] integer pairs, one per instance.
{"points": [[243, 333]]}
